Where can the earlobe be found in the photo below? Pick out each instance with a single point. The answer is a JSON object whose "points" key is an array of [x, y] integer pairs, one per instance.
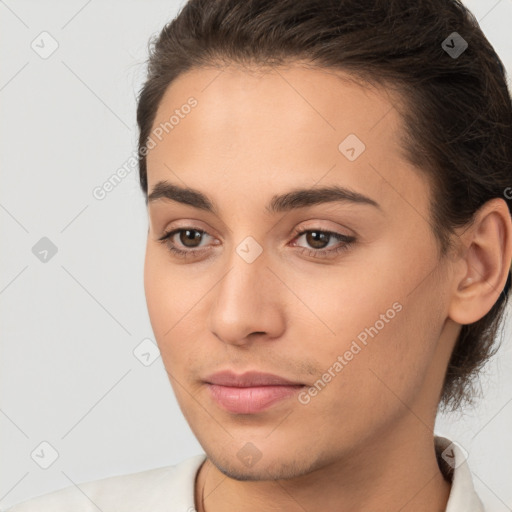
{"points": [[486, 264]]}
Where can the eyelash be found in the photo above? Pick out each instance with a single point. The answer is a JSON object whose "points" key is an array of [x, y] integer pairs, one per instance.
{"points": [[315, 253]]}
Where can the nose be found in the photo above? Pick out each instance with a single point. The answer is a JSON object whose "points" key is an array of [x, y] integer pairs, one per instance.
{"points": [[246, 303]]}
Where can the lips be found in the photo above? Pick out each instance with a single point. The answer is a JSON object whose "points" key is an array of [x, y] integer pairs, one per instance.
{"points": [[248, 379], [251, 392]]}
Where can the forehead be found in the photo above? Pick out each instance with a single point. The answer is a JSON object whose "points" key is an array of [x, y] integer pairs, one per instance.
{"points": [[318, 104], [253, 130]]}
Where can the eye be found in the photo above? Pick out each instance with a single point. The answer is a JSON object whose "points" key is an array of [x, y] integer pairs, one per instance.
{"points": [[190, 239], [319, 239]]}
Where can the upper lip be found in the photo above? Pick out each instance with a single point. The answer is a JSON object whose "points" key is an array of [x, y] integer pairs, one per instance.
{"points": [[248, 379]]}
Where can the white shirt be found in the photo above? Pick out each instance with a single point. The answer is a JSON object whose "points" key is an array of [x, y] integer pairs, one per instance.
{"points": [[171, 489]]}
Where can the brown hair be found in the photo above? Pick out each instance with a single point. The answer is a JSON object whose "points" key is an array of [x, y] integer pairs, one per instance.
{"points": [[457, 112]]}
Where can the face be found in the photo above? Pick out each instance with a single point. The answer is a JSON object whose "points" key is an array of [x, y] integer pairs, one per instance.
{"points": [[352, 309]]}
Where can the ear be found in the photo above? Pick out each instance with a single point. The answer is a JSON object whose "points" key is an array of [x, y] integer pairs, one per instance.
{"points": [[481, 272]]}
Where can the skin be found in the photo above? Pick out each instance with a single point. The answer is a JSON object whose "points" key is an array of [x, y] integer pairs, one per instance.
{"points": [[365, 442]]}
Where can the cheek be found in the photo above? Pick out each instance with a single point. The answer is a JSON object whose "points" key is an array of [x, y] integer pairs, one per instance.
{"points": [[168, 292], [165, 301], [397, 358], [173, 301], [366, 386], [157, 290], [378, 354]]}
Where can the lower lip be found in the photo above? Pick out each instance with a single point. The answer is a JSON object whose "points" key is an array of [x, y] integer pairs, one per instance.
{"points": [[250, 400]]}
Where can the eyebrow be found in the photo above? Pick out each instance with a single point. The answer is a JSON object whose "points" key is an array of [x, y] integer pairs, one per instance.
{"points": [[294, 199]]}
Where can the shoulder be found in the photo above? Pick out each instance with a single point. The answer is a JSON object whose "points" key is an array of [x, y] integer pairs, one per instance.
{"points": [[153, 489]]}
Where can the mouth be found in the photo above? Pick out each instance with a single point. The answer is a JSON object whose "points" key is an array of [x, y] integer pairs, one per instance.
{"points": [[250, 400], [251, 392]]}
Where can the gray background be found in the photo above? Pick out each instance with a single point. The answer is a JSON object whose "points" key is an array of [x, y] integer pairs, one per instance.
{"points": [[70, 325]]}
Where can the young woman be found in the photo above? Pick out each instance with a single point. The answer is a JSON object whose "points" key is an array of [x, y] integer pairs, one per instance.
{"points": [[328, 253]]}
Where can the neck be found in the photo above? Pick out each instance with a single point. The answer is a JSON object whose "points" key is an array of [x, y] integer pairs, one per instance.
{"points": [[397, 470]]}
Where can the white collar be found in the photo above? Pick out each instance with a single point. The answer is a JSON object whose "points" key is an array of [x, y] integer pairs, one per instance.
{"points": [[452, 460]]}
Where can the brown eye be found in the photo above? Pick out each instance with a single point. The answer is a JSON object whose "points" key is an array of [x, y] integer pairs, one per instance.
{"points": [[317, 239], [188, 237], [188, 242]]}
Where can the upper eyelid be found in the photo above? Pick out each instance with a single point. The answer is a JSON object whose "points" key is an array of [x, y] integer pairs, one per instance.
{"points": [[169, 234], [306, 228]]}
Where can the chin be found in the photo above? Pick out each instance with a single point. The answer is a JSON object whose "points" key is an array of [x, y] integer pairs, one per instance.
{"points": [[275, 468]]}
